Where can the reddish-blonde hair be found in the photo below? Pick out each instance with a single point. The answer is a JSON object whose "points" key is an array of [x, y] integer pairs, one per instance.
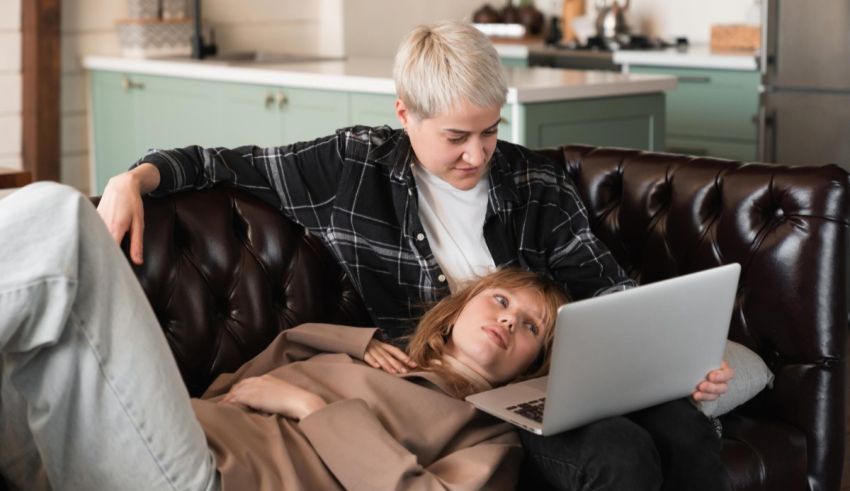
{"points": [[427, 344]]}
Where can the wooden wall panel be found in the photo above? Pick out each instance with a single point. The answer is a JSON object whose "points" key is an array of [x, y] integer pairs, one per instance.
{"points": [[40, 33]]}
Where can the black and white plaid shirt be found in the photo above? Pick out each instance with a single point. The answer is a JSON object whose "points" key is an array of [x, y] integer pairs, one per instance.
{"points": [[355, 190]]}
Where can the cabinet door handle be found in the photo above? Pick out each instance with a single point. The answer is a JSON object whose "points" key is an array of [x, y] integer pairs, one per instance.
{"points": [[269, 100], [129, 85], [282, 99], [693, 80]]}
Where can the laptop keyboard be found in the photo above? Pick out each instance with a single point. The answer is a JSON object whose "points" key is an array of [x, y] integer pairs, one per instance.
{"points": [[532, 410]]}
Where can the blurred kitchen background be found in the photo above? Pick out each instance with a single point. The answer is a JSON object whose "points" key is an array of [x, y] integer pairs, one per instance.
{"points": [[727, 103]]}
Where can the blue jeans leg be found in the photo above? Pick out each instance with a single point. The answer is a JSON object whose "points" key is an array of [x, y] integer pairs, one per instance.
{"points": [[91, 395]]}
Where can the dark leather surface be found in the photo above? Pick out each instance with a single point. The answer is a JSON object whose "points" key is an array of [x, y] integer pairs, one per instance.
{"points": [[225, 273], [664, 215]]}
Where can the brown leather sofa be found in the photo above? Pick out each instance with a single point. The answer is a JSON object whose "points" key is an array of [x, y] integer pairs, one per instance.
{"points": [[225, 273]]}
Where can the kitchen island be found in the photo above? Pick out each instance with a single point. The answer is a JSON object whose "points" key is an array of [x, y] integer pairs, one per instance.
{"points": [[712, 112], [141, 104]]}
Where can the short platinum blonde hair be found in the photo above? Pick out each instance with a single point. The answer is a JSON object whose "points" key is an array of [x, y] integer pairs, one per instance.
{"points": [[441, 65]]}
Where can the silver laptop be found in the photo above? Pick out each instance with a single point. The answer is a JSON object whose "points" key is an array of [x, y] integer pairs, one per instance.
{"points": [[624, 351]]}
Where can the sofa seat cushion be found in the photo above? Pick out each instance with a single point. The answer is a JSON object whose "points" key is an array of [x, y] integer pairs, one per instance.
{"points": [[763, 455]]}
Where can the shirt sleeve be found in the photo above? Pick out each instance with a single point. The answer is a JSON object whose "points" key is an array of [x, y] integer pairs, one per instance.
{"points": [[577, 258], [300, 180], [363, 455]]}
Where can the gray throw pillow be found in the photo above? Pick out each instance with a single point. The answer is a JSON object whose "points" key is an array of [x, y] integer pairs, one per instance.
{"points": [[751, 376]]}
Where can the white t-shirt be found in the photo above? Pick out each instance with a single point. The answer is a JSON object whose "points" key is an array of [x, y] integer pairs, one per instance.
{"points": [[454, 223]]}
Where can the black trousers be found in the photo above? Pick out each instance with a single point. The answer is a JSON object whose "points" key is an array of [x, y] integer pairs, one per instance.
{"points": [[671, 446]]}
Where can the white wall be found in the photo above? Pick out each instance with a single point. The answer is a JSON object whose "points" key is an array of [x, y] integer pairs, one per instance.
{"points": [[366, 36], [10, 84]]}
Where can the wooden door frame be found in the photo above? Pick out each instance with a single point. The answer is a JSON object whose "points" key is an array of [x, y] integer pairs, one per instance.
{"points": [[41, 87]]}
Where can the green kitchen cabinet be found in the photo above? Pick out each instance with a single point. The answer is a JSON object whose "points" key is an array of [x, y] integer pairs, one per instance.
{"points": [[175, 112], [309, 114], [711, 112], [113, 105], [511, 61], [627, 121], [251, 115], [133, 113], [372, 110], [270, 116]]}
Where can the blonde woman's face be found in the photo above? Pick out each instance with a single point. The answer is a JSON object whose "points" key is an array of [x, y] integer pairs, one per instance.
{"points": [[454, 146], [499, 333]]}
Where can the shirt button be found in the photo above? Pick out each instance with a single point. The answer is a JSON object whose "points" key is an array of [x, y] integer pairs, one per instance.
{"points": [[441, 278], [420, 237], [410, 192]]}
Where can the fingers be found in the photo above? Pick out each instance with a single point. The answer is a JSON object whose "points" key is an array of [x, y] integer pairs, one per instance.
{"points": [[115, 227], [709, 391], [121, 209], [400, 355], [137, 228], [380, 359], [724, 374], [244, 393], [388, 358], [716, 383]]}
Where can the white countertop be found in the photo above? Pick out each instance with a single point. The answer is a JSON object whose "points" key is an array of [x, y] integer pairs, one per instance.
{"points": [[509, 50], [375, 76], [697, 56], [694, 57]]}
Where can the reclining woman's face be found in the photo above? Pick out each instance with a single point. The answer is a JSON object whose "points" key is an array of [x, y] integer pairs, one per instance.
{"points": [[499, 333]]}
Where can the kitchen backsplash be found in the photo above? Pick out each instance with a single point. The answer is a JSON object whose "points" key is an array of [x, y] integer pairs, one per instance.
{"points": [[665, 18], [691, 18]]}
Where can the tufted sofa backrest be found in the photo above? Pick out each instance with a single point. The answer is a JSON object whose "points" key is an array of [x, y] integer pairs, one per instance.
{"points": [[226, 273], [665, 215]]}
